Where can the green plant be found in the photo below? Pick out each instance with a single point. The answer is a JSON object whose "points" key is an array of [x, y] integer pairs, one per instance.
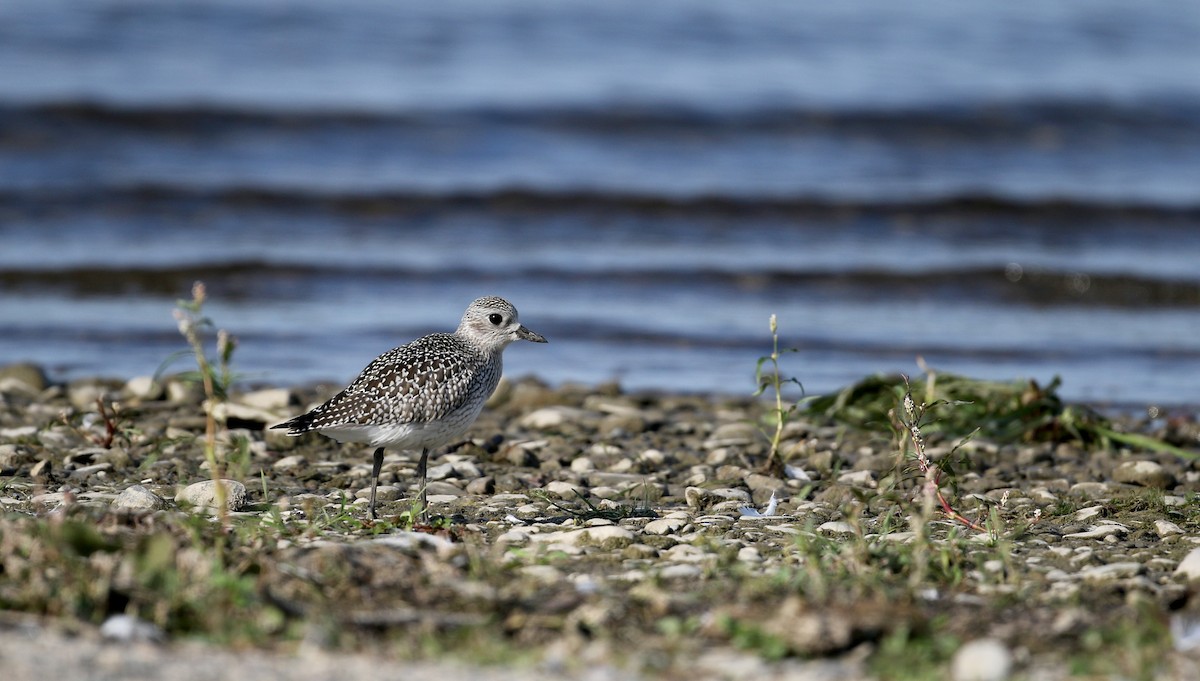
{"points": [[215, 378], [768, 376], [909, 420]]}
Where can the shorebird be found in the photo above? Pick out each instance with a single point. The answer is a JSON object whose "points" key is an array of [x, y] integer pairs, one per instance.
{"points": [[424, 394]]}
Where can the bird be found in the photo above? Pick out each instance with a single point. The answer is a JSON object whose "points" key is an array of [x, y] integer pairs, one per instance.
{"points": [[424, 394]]}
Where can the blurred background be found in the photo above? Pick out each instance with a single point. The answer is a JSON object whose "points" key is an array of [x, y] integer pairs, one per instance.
{"points": [[1005, 189]]}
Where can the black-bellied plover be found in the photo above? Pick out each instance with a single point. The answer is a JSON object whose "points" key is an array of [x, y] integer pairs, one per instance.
{"points": [[424, 394]]}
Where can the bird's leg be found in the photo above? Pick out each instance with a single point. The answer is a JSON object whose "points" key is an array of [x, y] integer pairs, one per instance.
{"points": [[421, 467], [375, 480]]}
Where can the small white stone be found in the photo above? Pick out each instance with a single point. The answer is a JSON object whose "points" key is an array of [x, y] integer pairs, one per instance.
{"points": [[681, 572], [588, 535], [129, 629], [202, 495], [858, 478], [272, 399], [551, 417], [1110, 571], [440, 472], [984, 659], [1166, 528], [137, 498], [836, 527], [749, 554], [730, 494], [1099, 531], [382, 493], [1189, 567], [1088, 513], [144, 388], [287, 463], [663, 526], [564, 490]]}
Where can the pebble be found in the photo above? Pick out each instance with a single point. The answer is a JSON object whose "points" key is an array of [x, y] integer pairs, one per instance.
{"points": [[1144, 473], [129, 629], [552, 417], [272, 399], [836, 527], [288, 463], [382, 493], [1111, 571], [863, 478], [662, 526], [1100, 531], [984, 659], [1166, 528], [681, 572], [23, 377], [137, 498], [482, 485], [564, 490], [144, 388], [605, 536], [1189, 567], [202, 495], [1089, 490]]}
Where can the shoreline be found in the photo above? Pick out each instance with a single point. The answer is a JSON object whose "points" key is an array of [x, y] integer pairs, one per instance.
{"points": [[582, 526]]}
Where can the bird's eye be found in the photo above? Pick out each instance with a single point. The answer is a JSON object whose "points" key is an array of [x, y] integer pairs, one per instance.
{"points": [[495, 318]]}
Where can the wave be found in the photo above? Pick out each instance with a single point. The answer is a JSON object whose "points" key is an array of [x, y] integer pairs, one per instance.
{"points": [[264, 279], [967, 121], [526, 199]]}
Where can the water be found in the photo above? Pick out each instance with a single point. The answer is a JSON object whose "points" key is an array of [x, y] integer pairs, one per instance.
{"points": [[1004, 189]]}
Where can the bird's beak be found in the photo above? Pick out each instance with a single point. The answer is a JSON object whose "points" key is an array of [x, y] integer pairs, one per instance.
{"points": [[525, 334]]}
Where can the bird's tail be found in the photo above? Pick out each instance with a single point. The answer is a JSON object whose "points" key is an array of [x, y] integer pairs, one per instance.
{"points": [[300, 424]]}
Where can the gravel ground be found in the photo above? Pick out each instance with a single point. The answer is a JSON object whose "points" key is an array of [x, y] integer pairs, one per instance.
{"points": [[843, 573]]}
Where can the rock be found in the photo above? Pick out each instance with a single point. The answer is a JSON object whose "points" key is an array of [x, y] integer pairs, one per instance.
{"points": [[1189, 567], [836, 527], [1111, 571], [663, 526], [604, 536], [182, 391], [732, 435], [565, 490], [863, 478], [84, 393], [765, 483], [23, 377], [288, 463], [15, 456], [201, 496], [137, 498], [41, 470], [129, 629], [1099, 531], [547, 418], [984, 659], [440, 471], [483, 485], [382, 493], [144, 388], [248, 414], [1166, 528], [1089, 491], [1144, 473], [730, 494], [681, 572], [270, 399]]}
